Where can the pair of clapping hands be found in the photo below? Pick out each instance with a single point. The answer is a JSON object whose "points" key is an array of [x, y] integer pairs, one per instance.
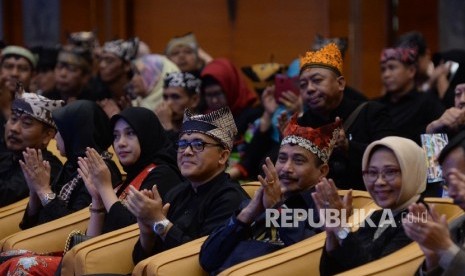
{"points": [[146, 205]]}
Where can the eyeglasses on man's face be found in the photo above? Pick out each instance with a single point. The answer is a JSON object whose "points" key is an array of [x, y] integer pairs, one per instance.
{"points": [[195, 145], [388, 175]]}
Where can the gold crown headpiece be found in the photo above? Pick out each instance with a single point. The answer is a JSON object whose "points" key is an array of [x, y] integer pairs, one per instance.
{"points": [[328, 57]]}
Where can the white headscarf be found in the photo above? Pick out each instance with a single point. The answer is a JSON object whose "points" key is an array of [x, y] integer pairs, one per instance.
{"points": [[412, 162]]}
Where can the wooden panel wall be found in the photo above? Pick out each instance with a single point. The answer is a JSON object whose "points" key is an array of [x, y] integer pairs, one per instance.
{"points": [[261, 29]]}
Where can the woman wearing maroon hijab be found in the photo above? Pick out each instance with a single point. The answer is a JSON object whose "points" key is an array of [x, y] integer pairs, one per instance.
{"points": [[223, 85]]}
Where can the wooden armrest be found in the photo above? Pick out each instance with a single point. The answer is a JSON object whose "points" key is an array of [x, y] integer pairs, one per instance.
{"points": [[181, 260], [47, 237], [107, 253]]}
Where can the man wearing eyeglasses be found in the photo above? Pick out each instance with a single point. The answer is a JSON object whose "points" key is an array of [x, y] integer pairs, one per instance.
{"points": [[204, 201], [443, 245]]}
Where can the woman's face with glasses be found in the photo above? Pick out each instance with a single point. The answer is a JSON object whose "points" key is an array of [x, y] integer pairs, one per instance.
{"points": [[383, 178]]}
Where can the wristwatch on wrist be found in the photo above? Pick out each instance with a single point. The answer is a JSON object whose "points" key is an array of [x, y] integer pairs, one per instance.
{"points": [[342, 233], [47, 197], [159, 227]]}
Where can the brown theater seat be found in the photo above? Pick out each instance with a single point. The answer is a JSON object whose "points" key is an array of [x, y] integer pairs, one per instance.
{"points": [[10, 217], [47, 237], [183, 260], [406, 260], [107, 253]]}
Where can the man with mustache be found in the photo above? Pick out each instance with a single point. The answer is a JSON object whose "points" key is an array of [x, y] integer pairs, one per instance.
{"points": [[302, 163], [30, 125], [443, 245], [17, 67], [453, 119]]}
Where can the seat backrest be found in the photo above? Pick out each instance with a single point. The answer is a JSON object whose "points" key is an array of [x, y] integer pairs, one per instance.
{"points": [[47, 237], [107, 253], [302, 258], [52, 147], [406, 260], [11, 216], [181, 260], [251, 187], [445, 206]]}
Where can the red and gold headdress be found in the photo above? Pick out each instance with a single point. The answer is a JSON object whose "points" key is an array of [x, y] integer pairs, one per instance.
{"points": [[319, 141], [328, 57]]}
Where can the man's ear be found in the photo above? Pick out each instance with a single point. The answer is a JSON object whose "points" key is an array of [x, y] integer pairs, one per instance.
{"points": [[324, 170], [341, 83], [195, 100], [224, 156], [412, 70]]}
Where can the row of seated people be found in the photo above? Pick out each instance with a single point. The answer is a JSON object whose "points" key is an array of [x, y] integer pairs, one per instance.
{"points": [[83, 136], [394, 175], [158, 86]]}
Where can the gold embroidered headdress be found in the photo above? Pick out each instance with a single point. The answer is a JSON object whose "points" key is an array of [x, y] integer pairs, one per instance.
{"points": [[328, 57]]}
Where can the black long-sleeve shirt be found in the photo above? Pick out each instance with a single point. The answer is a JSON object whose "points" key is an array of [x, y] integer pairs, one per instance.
{"points": [[412, 113], [57, 208], [237, 242], [359, 247], [119, 216], [13, 186], [196, 213], [372, 123]]}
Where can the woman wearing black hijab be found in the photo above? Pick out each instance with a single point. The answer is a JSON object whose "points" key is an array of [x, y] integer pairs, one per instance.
{"points": [[80, 124], [148, 158]]}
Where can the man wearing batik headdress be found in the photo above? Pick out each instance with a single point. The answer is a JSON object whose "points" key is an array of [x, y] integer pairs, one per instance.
{"points": [[200, 204], [302, 163], [114, 74], [30, 126], [321, 87], [181, 90], [411, 111], [185, 52], [87, 40]]}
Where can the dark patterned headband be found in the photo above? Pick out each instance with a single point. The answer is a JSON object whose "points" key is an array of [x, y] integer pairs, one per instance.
{"points": [[184, 80]]}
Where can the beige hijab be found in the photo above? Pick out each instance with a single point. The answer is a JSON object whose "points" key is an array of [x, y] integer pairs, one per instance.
{"points": [[412, 162]]}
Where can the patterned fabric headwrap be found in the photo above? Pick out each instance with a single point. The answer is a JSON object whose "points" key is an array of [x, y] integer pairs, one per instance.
{"points": [[86, 40], [184, 80], [37, 106], [328, 57], [187, 40], [218, 124], [407, 56], [124, 49], [22, 52], [319, 141]]}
